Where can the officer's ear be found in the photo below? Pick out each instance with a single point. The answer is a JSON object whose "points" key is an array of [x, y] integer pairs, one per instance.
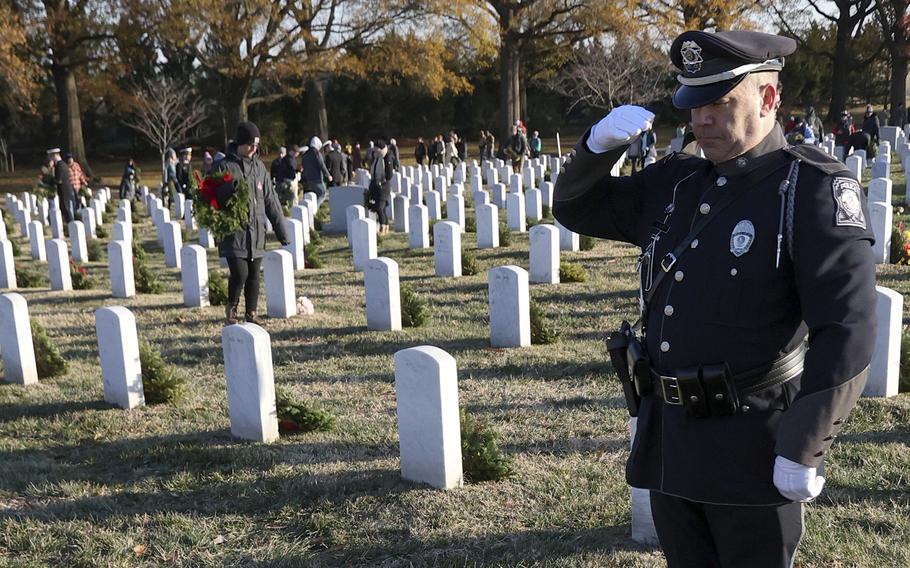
{"points": [[769, 91]]}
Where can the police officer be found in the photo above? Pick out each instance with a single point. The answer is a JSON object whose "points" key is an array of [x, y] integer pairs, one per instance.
{"points": [[749, 257]]}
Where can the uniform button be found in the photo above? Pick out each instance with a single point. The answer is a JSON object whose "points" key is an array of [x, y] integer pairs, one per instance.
{"points": [[664, 346], [746, 408], [718, 396], [733, 272], [704, 208], [694, 243], [721, 181], [668, 310], [693, 398], [679, 276]]}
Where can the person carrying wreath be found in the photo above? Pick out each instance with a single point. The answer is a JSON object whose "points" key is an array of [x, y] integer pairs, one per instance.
{"points": [[245, 248]]}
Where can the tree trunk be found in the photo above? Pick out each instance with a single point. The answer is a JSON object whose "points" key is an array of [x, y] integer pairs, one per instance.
{"points": [[510, 83], [70, 117], [898, 91], [317, 117], [840, 70], [237, 108]]}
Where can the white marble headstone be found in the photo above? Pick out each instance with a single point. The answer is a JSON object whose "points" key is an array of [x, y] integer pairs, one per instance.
{"points": [[250, 382], [383, 295], [120, 265], [16, 347], [194, 276], [429, 426], [447, 245], [118, 347], [544, 254], [280, 300], [884, 371]]}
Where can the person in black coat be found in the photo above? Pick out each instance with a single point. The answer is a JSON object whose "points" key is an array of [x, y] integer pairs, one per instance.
{"points": [[184, 169], [315, 171], [871, 127], [378, 192], [245, 248], [420, 151], [336, 163], [66, 195], [276, 164]]}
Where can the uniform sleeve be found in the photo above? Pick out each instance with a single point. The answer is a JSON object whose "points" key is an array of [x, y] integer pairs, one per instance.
{"points": [[835, 278], [589, 201]]}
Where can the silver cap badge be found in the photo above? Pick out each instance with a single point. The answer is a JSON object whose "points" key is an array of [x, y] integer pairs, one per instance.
{"points": [[691, 56]]}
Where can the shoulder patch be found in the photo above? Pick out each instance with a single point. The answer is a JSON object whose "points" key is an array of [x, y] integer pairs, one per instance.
{"points": [[848, 196]]}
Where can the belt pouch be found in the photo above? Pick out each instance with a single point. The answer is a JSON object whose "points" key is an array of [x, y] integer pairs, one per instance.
{"points": [[720, 390], [691, 393]]}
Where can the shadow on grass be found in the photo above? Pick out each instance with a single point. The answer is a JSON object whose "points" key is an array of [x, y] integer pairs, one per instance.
{"points": [[261, 495], [201, 456], [13, 412], [546, 546]]}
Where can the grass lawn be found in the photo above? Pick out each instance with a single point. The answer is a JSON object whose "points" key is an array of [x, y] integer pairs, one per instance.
{"points": [[84, 484]]}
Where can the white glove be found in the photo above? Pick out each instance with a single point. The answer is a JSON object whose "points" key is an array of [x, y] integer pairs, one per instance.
{"points": [[621, 126], [795, 481]]}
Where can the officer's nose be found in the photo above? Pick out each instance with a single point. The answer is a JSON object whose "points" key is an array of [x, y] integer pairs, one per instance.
{"points": [[701, 116]]}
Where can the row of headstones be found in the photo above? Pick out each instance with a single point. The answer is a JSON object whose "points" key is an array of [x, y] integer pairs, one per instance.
{"points": [[54, 250], [546, 241], [439, 178]]}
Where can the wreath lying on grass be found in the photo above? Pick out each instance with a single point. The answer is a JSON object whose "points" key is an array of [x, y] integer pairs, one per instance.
{"points": [[224, 219], [300, 416]]}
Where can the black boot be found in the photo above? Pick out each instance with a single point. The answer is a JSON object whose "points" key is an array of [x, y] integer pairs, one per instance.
{"points": [[230, 314]]}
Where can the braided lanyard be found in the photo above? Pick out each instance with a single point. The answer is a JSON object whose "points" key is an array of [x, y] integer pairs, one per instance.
{"points": [[787, 192]]}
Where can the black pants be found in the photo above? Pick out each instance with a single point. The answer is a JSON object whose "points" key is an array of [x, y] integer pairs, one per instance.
{"points": [[244, 276], [707, 536], [380, 209]]}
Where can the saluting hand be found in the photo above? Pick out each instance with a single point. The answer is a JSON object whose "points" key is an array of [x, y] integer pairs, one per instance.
{"points": [[621, 126], [795, 481]]}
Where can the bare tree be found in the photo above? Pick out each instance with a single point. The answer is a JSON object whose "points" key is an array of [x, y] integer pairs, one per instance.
{"points": [[894, 18], [601, 76], [165, 112]]}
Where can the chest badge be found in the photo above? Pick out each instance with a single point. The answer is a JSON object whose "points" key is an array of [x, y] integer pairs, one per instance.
{"points": [[742, 238]]}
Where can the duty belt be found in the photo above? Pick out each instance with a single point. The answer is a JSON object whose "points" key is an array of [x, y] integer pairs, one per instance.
{"points": [[711, 390]]}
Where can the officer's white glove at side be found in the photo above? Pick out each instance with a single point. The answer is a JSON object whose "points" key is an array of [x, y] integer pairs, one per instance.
{"points": [[795, 481], [621, 126]]}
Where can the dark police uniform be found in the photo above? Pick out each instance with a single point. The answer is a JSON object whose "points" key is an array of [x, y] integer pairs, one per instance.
{"points": [[733, 301]]}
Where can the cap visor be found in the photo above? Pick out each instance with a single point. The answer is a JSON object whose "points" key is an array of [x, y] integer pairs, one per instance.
{"points": [[687, 97]]}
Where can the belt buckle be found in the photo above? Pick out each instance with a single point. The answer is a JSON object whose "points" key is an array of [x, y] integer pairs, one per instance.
{"points": [[668, 261], [671, 384]]}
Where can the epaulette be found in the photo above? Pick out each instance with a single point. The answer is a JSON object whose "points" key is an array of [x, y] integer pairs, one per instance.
{"points": [[814, 156]]}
